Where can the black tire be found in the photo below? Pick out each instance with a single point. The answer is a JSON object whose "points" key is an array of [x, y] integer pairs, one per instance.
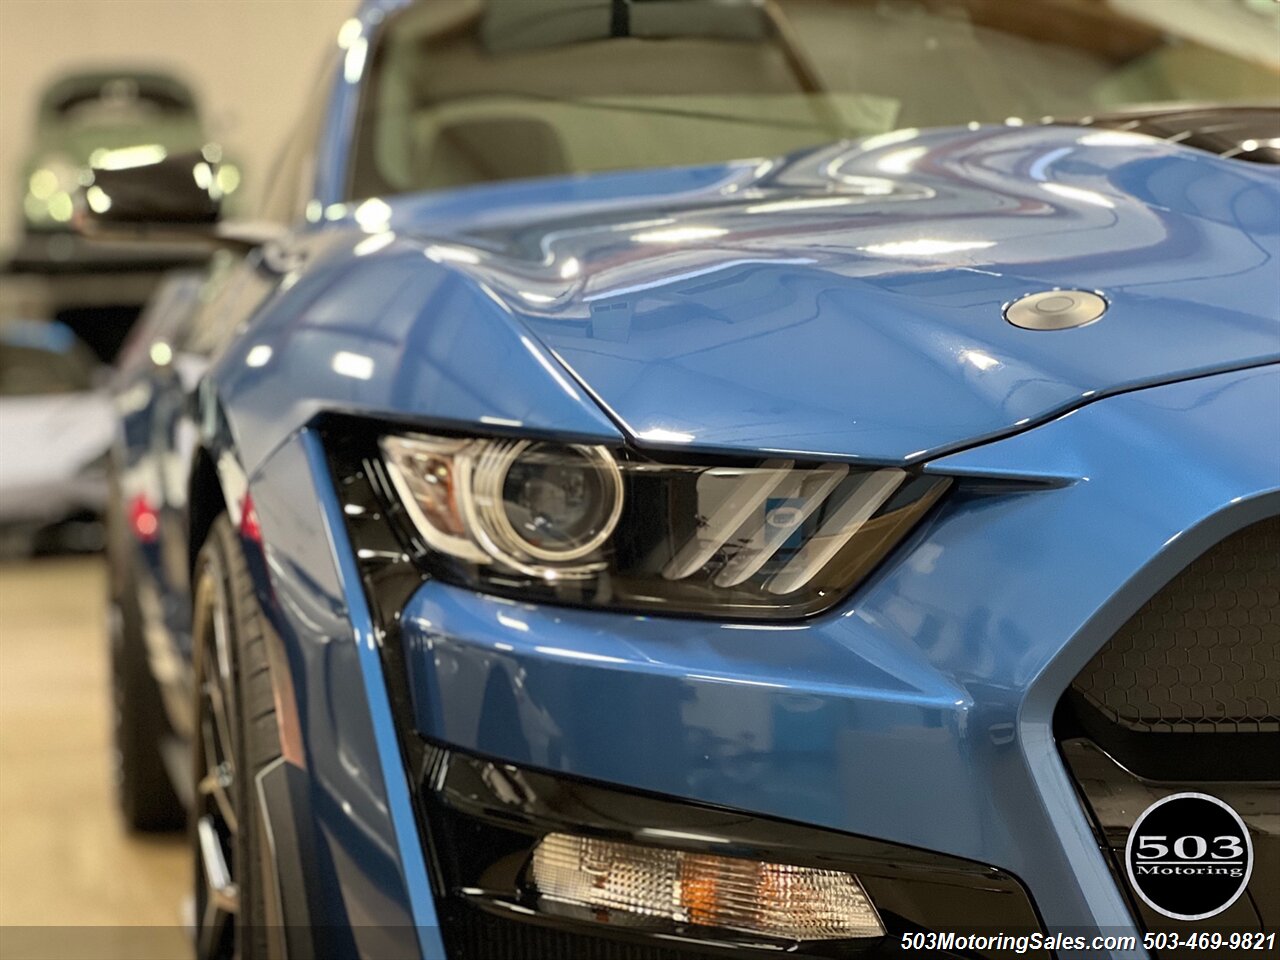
{"points": [[223, 583], [147, 799]]}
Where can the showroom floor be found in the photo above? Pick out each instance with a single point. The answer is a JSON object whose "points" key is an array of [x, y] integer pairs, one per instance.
{"points": [[67, 861]]}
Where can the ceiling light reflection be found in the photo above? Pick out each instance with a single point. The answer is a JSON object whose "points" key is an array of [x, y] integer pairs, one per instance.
{"points": [[374, 243], [374, 214], [925, 247], [513, 622], [659, 435], [353, 62], [979, 359], [258, 355], [889, 139], [806, 203], [578, 655], [442, 253], [355, 365], [1078, 193], [901, 161], [349, 32], [1115, 138], [679, 234]]}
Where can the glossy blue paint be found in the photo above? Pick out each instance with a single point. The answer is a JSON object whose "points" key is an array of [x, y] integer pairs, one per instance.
{"points": [[389, 333], [920, 711], [365, 843], [393, 777], [345, 72], [844, 303]]}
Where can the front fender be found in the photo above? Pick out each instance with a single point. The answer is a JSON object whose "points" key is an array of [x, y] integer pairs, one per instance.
{"points": [[345, 831]]}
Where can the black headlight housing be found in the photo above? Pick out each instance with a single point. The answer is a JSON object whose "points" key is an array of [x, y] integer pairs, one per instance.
{"points": [[554, 522]]}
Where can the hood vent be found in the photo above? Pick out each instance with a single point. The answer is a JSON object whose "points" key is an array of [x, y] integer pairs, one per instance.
{"points": [[1237, 133]]}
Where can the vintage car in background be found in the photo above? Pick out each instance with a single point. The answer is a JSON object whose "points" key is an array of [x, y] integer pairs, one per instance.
{"points": [[687, 479], [86, 123], [56, 425]]}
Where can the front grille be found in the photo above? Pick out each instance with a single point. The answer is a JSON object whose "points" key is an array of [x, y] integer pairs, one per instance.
{"points": [[1203, 654]]}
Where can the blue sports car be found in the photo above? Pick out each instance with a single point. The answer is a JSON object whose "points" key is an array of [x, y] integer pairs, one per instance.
{"points": [[701, 478]]}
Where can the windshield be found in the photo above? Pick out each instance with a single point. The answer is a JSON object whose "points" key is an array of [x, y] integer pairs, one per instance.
{"points": [[467, 91]]}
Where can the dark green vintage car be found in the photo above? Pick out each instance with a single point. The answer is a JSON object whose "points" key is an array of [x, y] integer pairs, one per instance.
{"points": [[109, 120], [90, 126]]}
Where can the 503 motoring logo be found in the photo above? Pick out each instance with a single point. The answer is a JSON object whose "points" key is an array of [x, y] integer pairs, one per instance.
{"points": [[1189, 856]]}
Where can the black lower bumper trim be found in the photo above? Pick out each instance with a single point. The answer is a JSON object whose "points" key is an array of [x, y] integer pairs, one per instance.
{"points": [[1115, 797], [484, 817]]}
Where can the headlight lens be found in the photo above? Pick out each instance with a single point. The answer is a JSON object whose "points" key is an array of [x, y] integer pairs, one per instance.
{"points": [[52, 189], [584, 525], [547, 502]]}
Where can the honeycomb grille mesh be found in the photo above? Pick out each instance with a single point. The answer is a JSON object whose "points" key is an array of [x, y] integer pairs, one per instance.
{"points": [[1203, 655]]}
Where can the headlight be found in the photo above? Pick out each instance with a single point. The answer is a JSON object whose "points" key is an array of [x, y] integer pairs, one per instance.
{"points": [[585, 525], [540, 508], [51, 191]]}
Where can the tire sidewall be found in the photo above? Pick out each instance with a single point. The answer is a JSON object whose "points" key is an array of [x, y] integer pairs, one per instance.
{"points": [[221, 560]]}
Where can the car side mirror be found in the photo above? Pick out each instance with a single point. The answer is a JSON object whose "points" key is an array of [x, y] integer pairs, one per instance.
{"points": [[135, 189]]}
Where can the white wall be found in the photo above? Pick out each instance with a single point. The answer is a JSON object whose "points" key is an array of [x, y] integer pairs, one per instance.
{"points": [[252, 63]]}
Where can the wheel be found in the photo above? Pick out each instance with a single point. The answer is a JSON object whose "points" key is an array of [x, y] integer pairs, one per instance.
{"points": [[235, 737], [145, 792]]}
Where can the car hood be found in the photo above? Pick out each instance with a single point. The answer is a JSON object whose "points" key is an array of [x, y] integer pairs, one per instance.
{"points": [[843, 303], [849, 301]]}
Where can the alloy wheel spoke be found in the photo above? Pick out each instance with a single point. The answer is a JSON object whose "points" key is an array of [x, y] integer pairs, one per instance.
{"points": [[218, 778], [215, 830]]}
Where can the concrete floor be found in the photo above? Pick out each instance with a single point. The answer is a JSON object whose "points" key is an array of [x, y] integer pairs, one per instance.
{"points": [[73, 882]]}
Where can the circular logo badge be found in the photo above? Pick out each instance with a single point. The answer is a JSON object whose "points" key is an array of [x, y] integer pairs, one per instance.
{"points": [[1055, 309], [1189, 856]]}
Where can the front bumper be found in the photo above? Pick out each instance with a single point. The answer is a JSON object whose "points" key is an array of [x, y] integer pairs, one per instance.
{"points": [[919, 714], [922, 712]]}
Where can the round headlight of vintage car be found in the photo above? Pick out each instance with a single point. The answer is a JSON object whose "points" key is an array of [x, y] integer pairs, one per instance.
{"points": [[548, 502]]}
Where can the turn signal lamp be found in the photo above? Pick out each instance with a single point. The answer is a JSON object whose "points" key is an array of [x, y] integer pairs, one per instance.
{"points": [[747, 896]]}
